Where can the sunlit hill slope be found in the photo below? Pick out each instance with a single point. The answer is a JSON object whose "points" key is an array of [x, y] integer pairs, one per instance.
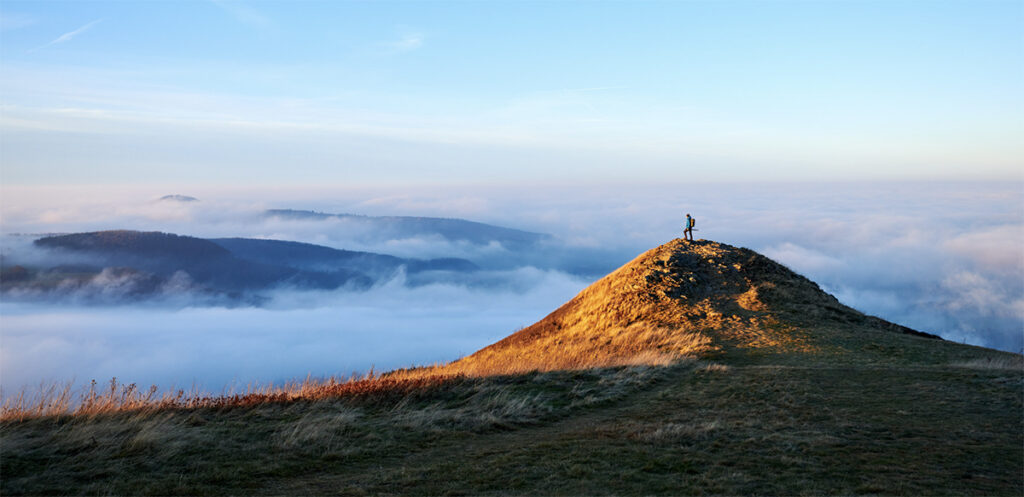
{"points": [[683, 298]]}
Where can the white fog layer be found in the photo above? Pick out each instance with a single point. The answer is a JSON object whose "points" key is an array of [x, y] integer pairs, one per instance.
{"points": [[941, 258]]}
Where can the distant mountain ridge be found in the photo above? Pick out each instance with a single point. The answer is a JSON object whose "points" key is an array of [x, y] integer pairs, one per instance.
{"points": [[205, 262], [178, 198], [452, 229], [149, 262], [318, 257]]}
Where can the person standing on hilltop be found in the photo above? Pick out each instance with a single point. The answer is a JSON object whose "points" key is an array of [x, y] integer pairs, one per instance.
{"points": [[690, 223]]}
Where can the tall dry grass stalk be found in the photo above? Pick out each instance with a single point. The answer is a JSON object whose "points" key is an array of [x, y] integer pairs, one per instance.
{"points": [[46, 399]]}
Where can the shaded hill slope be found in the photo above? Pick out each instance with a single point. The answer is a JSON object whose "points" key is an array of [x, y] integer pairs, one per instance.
{"points": [[682, 299]]}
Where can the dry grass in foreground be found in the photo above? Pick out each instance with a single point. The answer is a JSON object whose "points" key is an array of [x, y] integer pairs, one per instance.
{"points": [[61, 400], [638, 345], [693, 428]]}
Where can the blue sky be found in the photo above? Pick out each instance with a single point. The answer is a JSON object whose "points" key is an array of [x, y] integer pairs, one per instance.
{"points": [[378, 93]]}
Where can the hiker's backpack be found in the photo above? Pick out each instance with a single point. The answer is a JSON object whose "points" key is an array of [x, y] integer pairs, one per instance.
{"points": [[693, 222]]}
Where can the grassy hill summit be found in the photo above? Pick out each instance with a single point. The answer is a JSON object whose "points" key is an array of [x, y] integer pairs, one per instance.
{"points": [[690, 299], [697, 368]]}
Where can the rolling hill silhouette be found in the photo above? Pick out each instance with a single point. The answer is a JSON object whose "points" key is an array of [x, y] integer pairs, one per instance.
{"points": [[205, 262], [681, 299], [318, 258], [177, 198], [152, 260]]}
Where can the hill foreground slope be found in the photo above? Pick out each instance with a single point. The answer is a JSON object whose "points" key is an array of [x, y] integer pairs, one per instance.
{"points": [[698, 368]]}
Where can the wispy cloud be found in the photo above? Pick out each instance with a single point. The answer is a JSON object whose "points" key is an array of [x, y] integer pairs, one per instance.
{"points": [[407, 43], [66, 37]]}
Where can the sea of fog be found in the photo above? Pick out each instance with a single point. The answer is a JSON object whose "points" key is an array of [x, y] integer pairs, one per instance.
{"points": [[304, 333], [943, 258]]}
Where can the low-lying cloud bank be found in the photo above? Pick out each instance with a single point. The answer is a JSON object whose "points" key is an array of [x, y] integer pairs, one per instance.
{"points": [[943, 258], [318, 333]]}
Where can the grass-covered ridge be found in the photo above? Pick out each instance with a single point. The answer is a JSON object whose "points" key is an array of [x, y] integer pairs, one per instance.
{"points": [[689, 428], [230, 446]]}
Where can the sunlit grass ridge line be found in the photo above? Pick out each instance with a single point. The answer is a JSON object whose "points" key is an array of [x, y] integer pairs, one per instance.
{"points": [[58, 399]]}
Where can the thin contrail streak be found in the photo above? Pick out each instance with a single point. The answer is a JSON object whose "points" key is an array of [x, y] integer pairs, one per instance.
{"points": [[68, 36]]}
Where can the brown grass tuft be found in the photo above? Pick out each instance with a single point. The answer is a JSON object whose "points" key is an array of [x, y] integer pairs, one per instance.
{"points": [[671, 432], [1014, 362], [714, 368], [323, 428]]}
